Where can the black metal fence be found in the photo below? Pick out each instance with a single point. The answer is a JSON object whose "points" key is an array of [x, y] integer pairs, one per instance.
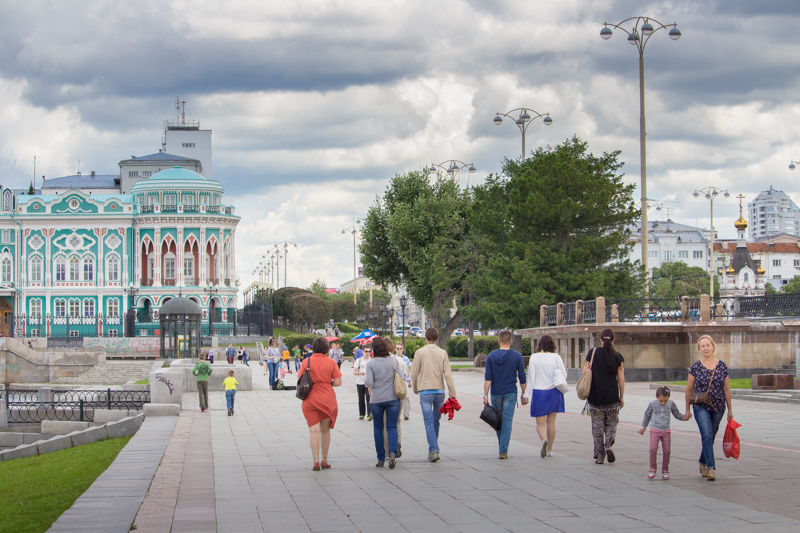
{"points": [[75, 405], [771, 305], [643, 310], [68, 332]]}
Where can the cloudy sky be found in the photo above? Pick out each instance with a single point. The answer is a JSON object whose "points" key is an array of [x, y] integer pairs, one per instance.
{"points": [[314, 105]]}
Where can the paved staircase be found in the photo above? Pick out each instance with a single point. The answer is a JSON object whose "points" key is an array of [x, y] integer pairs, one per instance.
{"points": [[112, 373]]}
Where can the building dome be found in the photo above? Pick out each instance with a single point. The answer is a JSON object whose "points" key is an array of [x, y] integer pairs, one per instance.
{"points": [[730, 269], [180, 306], [741, 223], [760, 270], [176, 178]]}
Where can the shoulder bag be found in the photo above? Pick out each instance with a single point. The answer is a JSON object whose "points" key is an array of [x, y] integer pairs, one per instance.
{"points": [[701, 398], [304, 383], [400, 387], [584, 386]]}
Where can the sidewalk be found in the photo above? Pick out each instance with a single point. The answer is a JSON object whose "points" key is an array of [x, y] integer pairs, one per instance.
{"points": [[262, 478]]}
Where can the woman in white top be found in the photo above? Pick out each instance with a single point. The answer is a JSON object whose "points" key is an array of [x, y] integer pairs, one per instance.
{"points": [[546, 399], [360, 370]]}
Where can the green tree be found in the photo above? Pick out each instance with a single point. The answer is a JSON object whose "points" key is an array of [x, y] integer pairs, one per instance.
{"points": [[404, 243], [674, 280], [555, 228], [770, 289], [318, 288], [792, 286], [31, 190]]}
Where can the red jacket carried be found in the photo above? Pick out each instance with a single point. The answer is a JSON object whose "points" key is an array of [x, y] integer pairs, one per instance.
{"points": [[450, 407]]}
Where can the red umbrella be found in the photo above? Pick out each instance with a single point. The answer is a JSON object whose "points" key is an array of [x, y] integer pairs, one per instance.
{"points": [[331, 339]]}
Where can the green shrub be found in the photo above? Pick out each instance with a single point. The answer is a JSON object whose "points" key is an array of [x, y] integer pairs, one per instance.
{"points": [[348, 328], [459, 346]]}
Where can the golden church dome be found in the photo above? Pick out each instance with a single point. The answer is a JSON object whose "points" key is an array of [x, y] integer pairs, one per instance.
{"points": [[730, 269], [741, 223]]}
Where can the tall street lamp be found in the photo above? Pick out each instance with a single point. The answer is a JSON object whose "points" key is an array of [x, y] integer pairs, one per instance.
{"points": [[403, 304], [711, 194], [793, 165], [453, 168], [643, 29], [211, 289], [523, 121], [285, 259], [354, 230]]}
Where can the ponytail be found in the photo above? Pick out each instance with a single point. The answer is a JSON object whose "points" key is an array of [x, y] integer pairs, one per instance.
{"points": [[613, 358]]}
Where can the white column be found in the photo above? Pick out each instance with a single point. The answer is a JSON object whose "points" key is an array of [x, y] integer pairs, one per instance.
{"points": [[179, 281], [157, 252]]}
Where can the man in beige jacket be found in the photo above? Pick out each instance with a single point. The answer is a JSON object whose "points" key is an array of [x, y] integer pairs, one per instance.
{"points": [[430, 370]]}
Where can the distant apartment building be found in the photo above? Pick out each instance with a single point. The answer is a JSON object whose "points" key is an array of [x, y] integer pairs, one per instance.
{"points": [[670, 242], [360, 283], [773, 212]]}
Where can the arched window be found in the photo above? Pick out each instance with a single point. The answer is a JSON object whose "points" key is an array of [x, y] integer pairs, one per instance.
{"points": [[746, 278], [36, 308], [188, 268], [5, 270], [61, 268], [169, 266], [88, 269], [61, 308], [8, 202], [112, 272], [88, 308], [74, 269], [74, 308], [113, 308], [36, 268]]}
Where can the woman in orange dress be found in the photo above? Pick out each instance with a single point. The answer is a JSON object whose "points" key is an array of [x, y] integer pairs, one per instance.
{"points": [[320, 406]]}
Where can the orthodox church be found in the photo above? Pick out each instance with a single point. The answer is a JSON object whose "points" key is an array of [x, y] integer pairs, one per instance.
{"points": [[743, 275]]}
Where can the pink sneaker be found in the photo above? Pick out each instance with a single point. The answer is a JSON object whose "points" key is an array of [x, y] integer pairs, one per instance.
{"points": [[664, 475], [651, 474]]}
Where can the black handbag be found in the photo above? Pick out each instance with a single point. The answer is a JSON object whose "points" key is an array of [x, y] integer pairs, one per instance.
{"points": [[492, 416], [304, 383]]}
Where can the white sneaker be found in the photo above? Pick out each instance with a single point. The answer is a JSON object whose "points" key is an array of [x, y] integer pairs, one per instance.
{"points": [[549, 454]]}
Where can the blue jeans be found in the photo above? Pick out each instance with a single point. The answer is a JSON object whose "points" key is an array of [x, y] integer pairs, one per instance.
{"points": [[296, 364], [392, 410], [430, 404], [505, 403], [273, 372], [244, 359], [229, 394], [708, 423]]}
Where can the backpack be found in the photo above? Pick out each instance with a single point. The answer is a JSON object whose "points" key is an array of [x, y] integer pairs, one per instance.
{"points": [[278, 385]]}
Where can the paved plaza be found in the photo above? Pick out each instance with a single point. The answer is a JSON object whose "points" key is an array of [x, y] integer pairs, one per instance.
{"points": [[252, 473]]}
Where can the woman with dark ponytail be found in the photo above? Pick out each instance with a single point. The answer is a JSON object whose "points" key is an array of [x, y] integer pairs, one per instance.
{"points": [[606, 395]]}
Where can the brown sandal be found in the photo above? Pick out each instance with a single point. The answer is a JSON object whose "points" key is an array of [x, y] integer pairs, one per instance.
{"points": [[703, 471]]}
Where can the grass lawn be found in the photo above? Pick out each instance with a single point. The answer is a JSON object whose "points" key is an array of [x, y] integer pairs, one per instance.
{"points": [[144, 381], [460, 366], [735, 383], [36, 490]]}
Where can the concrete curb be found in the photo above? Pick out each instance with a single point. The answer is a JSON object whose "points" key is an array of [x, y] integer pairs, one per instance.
{"points": [[122, 428], [788, 396]]}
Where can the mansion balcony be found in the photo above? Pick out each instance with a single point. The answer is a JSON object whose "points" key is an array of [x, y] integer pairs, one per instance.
{"points": [[187, 208]]}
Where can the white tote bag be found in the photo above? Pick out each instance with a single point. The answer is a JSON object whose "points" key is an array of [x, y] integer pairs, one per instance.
{"points": [[560, 380]]}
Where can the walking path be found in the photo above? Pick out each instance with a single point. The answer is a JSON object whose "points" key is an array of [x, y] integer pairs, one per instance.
{"points": [[261, 479]]}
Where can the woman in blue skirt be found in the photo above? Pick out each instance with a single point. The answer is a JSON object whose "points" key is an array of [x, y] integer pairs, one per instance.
{"points": [[546, 399]]}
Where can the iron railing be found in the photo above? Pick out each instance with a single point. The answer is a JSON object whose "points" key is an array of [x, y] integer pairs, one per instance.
{"points": [[25, 407], [589, 311], [568, 316], [643, 310], [771, 305], [551, 315]]}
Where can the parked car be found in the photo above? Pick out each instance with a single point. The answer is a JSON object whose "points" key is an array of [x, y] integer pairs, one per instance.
{"points": [[417, 332]]}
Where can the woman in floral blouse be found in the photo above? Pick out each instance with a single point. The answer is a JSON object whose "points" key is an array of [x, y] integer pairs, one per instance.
{"points": [[709, 374]]}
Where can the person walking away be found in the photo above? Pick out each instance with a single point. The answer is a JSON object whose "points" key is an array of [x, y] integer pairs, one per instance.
{"points": [[230, 384], [709, 377], [360, 371], [297, 354], [429, 372], [546, 400], [398, 351], [400, 362], [383, 400], [245, 355], [503, 368], [658, 413], [606, 397], [336, 331], [320, 407], [211, 354], [273, 360], [202, 370], [308, 352], [230, 353]]}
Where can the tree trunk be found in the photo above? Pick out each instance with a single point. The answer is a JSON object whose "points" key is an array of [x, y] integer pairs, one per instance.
{"points": [[446, 331]]}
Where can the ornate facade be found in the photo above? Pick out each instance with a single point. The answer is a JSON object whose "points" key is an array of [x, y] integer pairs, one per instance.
{"points": [[75, 260]]}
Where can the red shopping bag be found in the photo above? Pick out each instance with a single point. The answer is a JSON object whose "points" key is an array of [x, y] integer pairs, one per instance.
{"points": [[730, 444]]}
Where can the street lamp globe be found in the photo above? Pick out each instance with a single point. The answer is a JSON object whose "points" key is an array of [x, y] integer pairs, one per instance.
{"points": [[606, 33], [498, 120], [525, 116], [403, 301], [432, 169], [633, 38], [674, 34], [548, 120], [382, 307], [472, 169], [792, 166], [343, 232], [647, 29], [708, 196], [696, 194], [727, 194]]}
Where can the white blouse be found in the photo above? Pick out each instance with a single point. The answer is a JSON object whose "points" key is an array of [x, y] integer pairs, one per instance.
{"points": [[542, 369]]}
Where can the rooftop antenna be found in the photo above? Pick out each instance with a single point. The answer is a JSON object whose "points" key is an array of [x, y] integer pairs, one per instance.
{"points": [[183, 112], [34, 172], [177, 108]]}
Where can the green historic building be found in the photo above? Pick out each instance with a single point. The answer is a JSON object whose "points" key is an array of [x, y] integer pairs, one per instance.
{"points": [[74, 262]]}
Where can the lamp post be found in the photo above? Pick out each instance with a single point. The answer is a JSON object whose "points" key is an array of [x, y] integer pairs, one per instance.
{"points": [[361, 319], [372, 317], [277, 255], [711, 194], [403, 304], [130, 315], [453, 168], [211, 290], [647, 27], [793, 165], [523, 121], [285, 259], [354, 230]]}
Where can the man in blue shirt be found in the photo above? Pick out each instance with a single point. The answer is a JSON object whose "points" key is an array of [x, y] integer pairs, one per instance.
{"points": [[503, 368]]}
